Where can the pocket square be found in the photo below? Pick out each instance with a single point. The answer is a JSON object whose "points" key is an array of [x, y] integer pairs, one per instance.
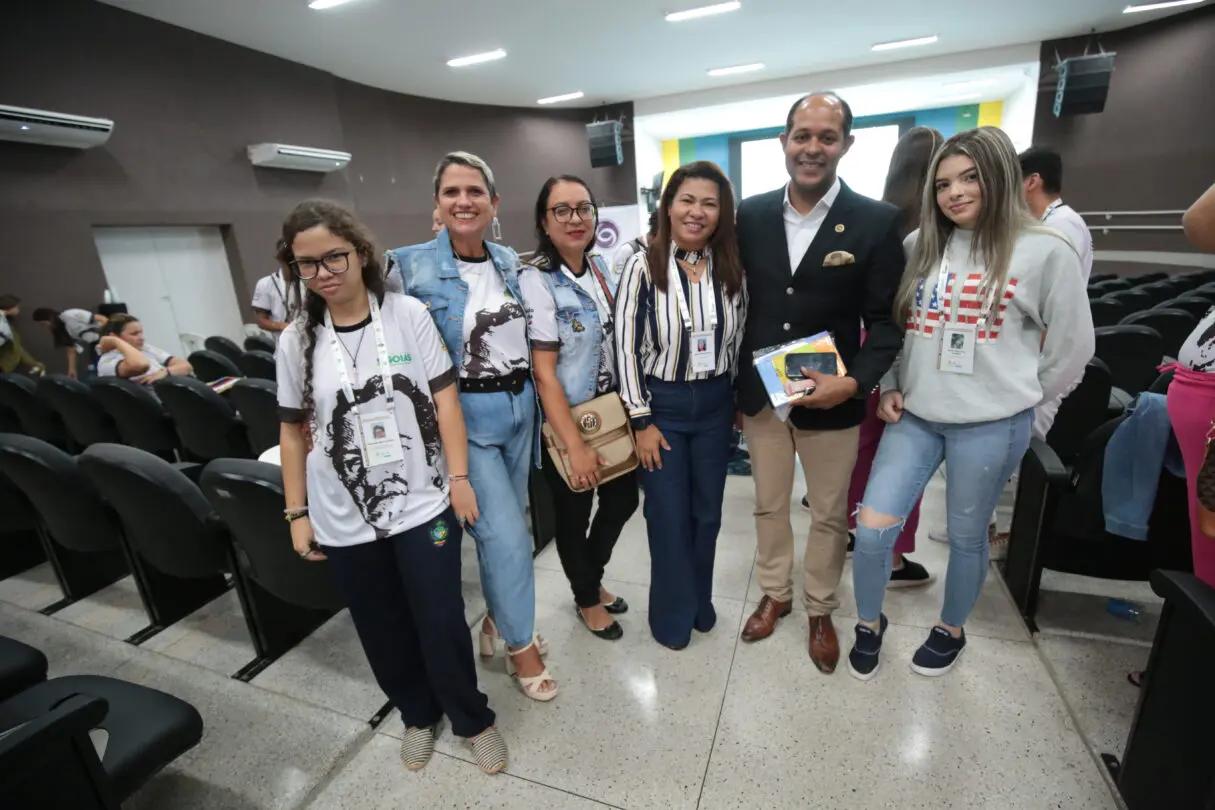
{"points": [[836, 258]]}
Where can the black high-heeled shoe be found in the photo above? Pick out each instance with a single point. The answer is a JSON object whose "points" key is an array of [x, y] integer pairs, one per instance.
{"points": [[616, 606], [610, 633]]}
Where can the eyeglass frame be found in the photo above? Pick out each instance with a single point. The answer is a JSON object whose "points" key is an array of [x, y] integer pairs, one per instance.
{"points": [[344, 255], [594, 213]]}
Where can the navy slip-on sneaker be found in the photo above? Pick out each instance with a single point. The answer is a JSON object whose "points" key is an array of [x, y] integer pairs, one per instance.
{"points": [[863, 658], [939, 653]]}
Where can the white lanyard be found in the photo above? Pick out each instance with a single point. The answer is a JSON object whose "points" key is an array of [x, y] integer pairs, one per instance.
{"points": [[989, 299], [381, 356], [681, 303], [1050, 210]]}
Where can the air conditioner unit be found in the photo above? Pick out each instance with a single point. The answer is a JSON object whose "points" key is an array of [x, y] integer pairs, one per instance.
{"points": [[52, 128], [299, 158]]}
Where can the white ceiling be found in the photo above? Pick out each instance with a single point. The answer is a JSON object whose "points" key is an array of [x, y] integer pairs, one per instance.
{"points": [[619, 50]]}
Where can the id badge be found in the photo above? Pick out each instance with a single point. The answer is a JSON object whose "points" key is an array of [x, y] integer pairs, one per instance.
{"points": [[381, 442], [958, 348], [704, 352]]}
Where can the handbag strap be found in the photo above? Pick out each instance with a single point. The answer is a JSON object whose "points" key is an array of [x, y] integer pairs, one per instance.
{"points": [[607, 292]]}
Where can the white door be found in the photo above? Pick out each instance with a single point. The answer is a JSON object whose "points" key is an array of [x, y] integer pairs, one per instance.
{"points": [[174, 280]]}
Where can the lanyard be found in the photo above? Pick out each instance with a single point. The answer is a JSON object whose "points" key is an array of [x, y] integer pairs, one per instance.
{"points": [[990, 297], [1050, 209], [681, 303], [381, 356]]}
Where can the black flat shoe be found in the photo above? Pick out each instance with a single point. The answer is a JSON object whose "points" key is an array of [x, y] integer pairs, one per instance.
{"points": [[610, 633], [617, 606]]}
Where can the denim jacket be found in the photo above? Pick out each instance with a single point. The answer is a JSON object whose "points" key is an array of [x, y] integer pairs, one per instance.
{"points": [[429, 273], [579, 330]]}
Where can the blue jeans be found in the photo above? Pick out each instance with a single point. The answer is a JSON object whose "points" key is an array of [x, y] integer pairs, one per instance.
{"points": [[979, 458], [683, 503], [500, 430]]}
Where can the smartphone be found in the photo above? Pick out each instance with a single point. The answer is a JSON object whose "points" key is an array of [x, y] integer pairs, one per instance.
{"points": [[822, 362]]}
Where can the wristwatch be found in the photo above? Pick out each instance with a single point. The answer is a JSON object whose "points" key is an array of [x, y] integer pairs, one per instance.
{"points": [[640, 422]]}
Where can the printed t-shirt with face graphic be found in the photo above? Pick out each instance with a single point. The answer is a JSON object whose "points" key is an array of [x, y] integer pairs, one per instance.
{"points": [[495, 326], [349, 502], [1198, 351]]}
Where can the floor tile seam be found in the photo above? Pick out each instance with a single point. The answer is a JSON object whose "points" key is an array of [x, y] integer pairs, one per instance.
{"points": [[1054, 632], [347, 755]]}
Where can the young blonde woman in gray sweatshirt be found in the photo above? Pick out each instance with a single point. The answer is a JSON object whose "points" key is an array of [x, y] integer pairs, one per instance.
{"points": [[993, 306]]}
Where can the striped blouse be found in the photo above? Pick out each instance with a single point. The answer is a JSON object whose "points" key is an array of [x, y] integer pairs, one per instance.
{"points": [[651, 337]]}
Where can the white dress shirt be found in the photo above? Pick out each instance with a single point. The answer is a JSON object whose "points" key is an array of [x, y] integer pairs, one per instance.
{"points": [[800, 229], [1064, 219]]}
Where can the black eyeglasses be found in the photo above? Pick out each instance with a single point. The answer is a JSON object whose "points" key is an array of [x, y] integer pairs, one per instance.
{"points": [[336, 263], [565, 213]]}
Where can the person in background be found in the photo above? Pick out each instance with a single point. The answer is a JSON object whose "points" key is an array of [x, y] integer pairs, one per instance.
{"points": [[77, 332], [1042, 182], [905, 189], [992, 303], [819, 257], [680, 313], [124, 353], [471, 289], [383, 491], [638, 245], [569, 293], [271, 297], [436, 221], [13, 356]]}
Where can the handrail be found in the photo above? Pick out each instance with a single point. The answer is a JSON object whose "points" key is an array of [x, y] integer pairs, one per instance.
{"points": [[1109, 214], [1108, 228]]}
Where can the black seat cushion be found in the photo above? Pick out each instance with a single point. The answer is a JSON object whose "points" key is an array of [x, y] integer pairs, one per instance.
{"points": [[19, 394], [211, 366], [86, 421], [141, 417], [1174, 326], [206, 423], [21, 666], [1132, 353], [224, 347], [1106, 312], [257, 403], [259, 343], [258, 364], [147, 728]]}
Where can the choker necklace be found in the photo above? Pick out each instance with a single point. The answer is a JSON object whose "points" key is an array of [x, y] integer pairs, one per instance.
{"points": [[690, 256]]}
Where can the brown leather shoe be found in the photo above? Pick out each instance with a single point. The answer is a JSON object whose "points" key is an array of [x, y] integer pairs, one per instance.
{"points": [[763, 621], [824, 646]]}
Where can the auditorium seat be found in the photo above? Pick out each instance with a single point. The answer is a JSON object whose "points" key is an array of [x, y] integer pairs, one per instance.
{"points": [[1174, 326], [1134, 300], [21, 666], [20, 536], [1160, 290], [49, 760], [1106, 312], [80, 533], [1149, 278], [257, 403], [19, 394], [1196, 306], [285, 598], [140, 416], [206, 423], [210, 366], [179, 550], [1133, 354], [86, 421], [257, 364], [1116, 285], [225, 347], [259, 343], [9, 421], [1082, 411]]}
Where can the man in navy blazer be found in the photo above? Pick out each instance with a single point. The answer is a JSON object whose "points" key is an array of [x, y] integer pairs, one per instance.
{"points": [[818, 257]]}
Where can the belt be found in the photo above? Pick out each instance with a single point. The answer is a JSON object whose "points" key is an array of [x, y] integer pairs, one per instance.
{"points": [[512, 383]]}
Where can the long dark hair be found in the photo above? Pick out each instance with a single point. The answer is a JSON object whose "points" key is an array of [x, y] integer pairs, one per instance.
{"points": [[547, 256], [909, 173], [339, 221], [59, 333], [727, 267]]}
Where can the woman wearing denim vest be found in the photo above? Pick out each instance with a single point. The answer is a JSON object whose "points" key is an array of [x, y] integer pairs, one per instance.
{"points": [[472, 291], [569, 293]]}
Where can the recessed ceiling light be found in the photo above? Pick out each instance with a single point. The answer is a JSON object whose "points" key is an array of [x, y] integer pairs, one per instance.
{"points": [[969, 83], [558, 99], [730, 71], [320, 4], [956, 99], [1158, 6], [477, 58], [905, 43], [703, 11]]}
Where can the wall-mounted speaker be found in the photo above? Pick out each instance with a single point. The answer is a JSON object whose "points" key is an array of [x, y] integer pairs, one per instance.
{"points": [[1084, 83], [603, 138]]}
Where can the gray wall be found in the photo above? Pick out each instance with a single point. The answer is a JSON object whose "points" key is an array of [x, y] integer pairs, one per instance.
{"points": [[185, 106]]}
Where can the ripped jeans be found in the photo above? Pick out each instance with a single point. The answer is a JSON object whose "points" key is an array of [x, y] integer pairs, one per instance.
{"points": [[979, 458]]}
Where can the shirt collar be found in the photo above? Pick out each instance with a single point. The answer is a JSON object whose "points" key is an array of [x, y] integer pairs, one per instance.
{"points": [[826, 202]]}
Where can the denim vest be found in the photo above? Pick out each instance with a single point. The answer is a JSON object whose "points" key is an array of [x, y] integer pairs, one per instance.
{"points": [[429, 273], [579, 330]]}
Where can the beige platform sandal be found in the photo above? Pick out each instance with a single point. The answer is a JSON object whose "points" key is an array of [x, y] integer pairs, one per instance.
{"points": [[487, 643], [531, 685]]}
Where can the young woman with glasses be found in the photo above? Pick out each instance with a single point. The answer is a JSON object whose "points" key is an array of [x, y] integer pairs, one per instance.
{"points": [[990, 301], [471, 289], [569, 292], [382, 490]]}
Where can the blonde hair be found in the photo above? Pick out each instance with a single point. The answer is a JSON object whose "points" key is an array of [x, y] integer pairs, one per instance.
{"points": [[1003, 215]]}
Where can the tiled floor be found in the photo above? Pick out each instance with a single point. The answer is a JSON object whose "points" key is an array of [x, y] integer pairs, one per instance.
{"points": [[719, 725]]}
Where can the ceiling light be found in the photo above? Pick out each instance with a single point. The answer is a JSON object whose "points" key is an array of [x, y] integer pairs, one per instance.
{"points": [[477, 58], [558, 99], [970, 83], [703, 11], [905, 43], [320, 4], [1158, 6], [730, 71], [955, 99]]}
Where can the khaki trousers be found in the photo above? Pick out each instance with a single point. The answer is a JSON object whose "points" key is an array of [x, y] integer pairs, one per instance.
{"points": [[827, 457]]}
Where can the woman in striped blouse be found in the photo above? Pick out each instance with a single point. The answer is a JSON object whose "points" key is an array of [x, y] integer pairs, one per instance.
{"points": [[680, 311]]}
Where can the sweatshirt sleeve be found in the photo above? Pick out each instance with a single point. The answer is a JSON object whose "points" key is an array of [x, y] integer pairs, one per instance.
{"points": [[1064, 308]]}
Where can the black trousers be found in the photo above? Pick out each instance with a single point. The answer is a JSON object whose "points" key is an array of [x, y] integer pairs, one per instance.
{"points": [[405, 598], [585, 554]]}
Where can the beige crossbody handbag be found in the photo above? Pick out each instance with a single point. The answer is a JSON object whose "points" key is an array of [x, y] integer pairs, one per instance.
{"points": [[603, 423]]}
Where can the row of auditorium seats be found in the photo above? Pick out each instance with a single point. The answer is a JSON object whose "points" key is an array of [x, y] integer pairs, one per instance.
{"points": [[221, 357], [49, 758], [176, 418]]}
